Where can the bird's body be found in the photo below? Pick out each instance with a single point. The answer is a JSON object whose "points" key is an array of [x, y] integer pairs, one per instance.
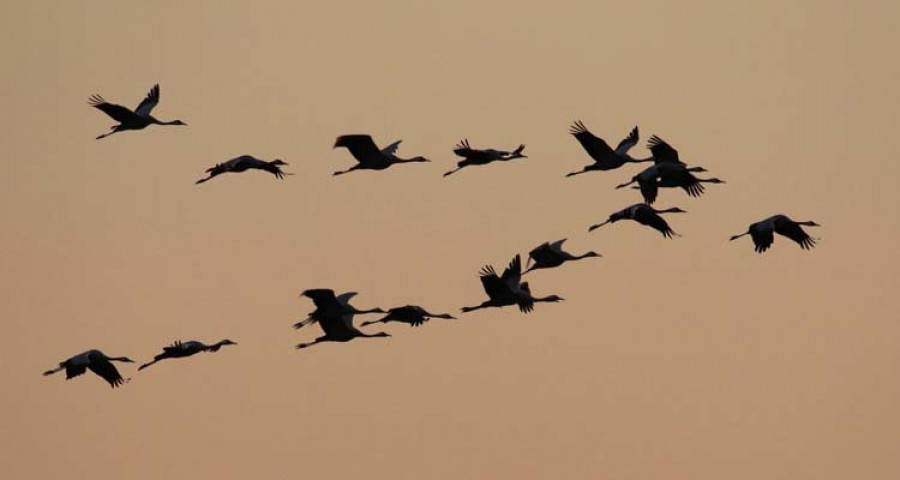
{"points": [[334, 314], [763, 232], [244, 163], [550, 255], [413, 315], [645, 215], [473, 156], [508, 289], [605, 158], [181, 349], [369, 156], [128, 119], [95, 361]]}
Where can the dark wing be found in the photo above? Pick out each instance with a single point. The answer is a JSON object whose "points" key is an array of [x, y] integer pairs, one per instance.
{"points": [[116, 112], [762, 236], [544, 254], [662, 151], [322, 297], [790, 229], [105, 369], [73, 371], [175, 346], [493, 285], [678, 174], [392, 148], [648, 184], [595, 146], [628, 142], [646, 216], [463, 149], [362, 147], [525, 302], [512, 276], [150, 101]]}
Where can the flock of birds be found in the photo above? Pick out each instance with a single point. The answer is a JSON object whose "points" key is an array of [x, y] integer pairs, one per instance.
{"points": [[333, 312]]}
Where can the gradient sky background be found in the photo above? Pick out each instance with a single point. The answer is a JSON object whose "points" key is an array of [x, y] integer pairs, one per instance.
{"points": [[691, 358]]}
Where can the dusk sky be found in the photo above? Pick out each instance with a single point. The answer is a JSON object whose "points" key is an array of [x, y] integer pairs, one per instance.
{"points": [[690, 358]]}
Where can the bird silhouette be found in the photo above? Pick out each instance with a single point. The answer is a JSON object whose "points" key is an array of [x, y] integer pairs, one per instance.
{"points": [[95, 361], [413, 315], [334, 314], [508, 289], [244, 163], [645, 215], [763, 232], [669, 174], [128, 119], [605, 158], [181, 349], [368, 156], [550, 255], [472, 156]]}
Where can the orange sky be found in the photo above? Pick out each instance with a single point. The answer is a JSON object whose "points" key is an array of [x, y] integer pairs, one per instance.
{"points": [[692, 358]]}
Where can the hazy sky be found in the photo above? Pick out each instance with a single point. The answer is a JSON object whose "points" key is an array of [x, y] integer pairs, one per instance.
{"points": [[692, 358]]}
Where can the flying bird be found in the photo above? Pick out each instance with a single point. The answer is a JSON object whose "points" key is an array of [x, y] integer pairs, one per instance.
{"points": [[413, 315], [474, 156], [181, 349], [508, 289], [669, 174], [330, 305], [244, 163], [550, 255], [763, 232], [662, 152], [368, 155], [128, 119], [645, 215], [605, 158], [97, 362]]}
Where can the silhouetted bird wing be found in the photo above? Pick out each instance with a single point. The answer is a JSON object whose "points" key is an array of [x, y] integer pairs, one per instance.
{"points": [[463, 149], [322, 297], [105, 369], [646, 216], [363, 148], [175, 346], [647, 182], [344, 298], [762, 235], [679, 174], [493, 285], [628, 142], [512, 276], [150, 101], [116, 112], [595, 146], [790, 229], [73, 371], [392, 148], [662, 151]]}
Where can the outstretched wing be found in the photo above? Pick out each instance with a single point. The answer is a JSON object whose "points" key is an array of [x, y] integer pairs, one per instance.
{"points": [[595, 146], [512, 276], [116, 112], [392, 148], [646, 216], [557, 245], [788, 228], [344, 298], [105, 369], [662, 151], [493, 285], [362, 147], [322, 297], [150, 101], [628, 142], [463, 149], [762, 236], [176, 345]]}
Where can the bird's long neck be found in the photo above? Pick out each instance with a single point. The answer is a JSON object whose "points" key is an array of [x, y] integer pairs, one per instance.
{"points": [[808, 223], [370, 335], [630, 159], [409, 160], [442, 315], [585, 255], [160, 122], [668, 210], [373, 310], [484, 304], [119, 359], [550, 298], [735, 237]]}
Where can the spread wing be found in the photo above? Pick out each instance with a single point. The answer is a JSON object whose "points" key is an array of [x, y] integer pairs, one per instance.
{"points": [[463, 149], [105, 369], [150, 101], [493, 285], [512, 276], [176, 345], [362, 147], [762, 236], [628, 142], [116, 112], [557, 245], [344, 298], [321, 297], [73, 371], [786, 227], [595, 146], [392, 148], [646, 216], [662, 151]]}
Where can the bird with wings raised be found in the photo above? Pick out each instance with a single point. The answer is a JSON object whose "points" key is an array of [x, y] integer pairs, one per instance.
{"points": [[763, 232], [605, 158], [473, 156], [334, 315], [244, 163], [368, 156], [508, 289], [550, 255], [128, 119]]}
